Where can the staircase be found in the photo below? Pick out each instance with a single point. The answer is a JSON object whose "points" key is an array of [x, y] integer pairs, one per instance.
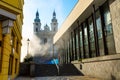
{"points": [[45, 70], [69, 70]]}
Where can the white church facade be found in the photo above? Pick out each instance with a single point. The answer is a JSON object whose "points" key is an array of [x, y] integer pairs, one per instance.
{"points": [[46, 39]]}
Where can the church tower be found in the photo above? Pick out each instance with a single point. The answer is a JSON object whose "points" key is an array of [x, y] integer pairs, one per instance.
{"points": [[54, 23], [37, 23]]}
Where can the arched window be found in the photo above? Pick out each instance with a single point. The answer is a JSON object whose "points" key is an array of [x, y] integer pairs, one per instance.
{"points": [[36, 29]]}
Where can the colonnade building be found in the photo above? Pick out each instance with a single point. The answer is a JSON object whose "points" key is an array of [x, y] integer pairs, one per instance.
{"points": [[89, 38]]}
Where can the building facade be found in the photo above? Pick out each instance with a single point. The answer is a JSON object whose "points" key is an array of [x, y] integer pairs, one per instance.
{"points": [[11, 20], [89, 38], [46, 38]]}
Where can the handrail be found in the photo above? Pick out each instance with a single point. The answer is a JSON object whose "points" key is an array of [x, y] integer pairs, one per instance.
{"points": [[56, 65]]}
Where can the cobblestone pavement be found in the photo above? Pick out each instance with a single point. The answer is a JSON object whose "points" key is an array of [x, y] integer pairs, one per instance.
{"points": [[59, 78]]}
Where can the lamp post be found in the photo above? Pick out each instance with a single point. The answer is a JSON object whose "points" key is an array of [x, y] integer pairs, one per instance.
{"points": [[53, 51], [28, 45]]}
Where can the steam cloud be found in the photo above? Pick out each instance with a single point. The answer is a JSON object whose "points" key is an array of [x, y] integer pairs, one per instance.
{"points": [[41, 52]]}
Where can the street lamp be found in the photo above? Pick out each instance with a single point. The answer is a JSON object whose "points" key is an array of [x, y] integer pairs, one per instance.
{"points": [[28, 45], [53, 51]]}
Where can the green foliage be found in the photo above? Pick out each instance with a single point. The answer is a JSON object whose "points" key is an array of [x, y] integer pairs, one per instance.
{"points": [[28, 58]]}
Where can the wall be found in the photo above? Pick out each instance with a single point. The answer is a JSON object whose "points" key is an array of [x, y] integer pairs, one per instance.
{"points": [[115, 14], [106, 67], [24, 69], [37, 70]]}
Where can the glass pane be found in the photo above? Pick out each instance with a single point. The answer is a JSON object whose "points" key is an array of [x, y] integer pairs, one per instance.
{"points": [[77, 46], [92, 41], [91, 30], [81, 45], [85, 35], [99, 29], [107, 19], [76, 40], [86, 40], [99, 26], [68, 58], [71, 49], [108, 30], [74, 47]]}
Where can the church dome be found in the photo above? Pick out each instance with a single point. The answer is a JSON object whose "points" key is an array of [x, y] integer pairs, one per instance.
{"points": [[37, 13], [37, 20], [54, 20], [37, 17], [54, 14], [54, 17]]}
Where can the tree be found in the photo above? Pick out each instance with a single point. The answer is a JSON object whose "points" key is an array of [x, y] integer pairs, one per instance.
{"points": [[28, 58]]}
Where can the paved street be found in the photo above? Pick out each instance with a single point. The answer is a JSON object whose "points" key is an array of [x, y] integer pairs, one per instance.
{"points": [[59, 78]]}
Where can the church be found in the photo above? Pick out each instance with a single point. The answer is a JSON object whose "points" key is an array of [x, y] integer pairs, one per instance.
{"points": [[45, 36]]}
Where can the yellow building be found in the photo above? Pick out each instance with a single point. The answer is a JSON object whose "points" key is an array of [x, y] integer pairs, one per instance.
{"points": [[11, 20]]}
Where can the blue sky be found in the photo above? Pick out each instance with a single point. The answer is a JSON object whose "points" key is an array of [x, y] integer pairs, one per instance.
{"points": [[45, 8]]}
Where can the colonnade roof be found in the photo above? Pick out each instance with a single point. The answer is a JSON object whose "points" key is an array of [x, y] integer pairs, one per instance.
{"points": [[82, 10], [73, 16]]}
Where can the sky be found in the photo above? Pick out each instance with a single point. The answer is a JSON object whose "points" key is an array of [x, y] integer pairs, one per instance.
{"points": [[45, 9]]}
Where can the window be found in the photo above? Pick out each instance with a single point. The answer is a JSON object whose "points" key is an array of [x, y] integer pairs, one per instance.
{"points": [[17, 46], [0, 43], [68, 51], [16, 61], [10, 65], [36, 29], [86, 40], [92, 40], [98, 23], [91, 32], [77, 45], [99, 30], [45, 40], [71, 54], [73, 44], [85, 36], [81, 45], [110, 46], [12, 39], [107, 19]]}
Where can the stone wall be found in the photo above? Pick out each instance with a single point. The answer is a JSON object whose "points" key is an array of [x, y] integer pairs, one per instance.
{"points": [[105, 67], [24, 69], [115, 14], [35, 70]]}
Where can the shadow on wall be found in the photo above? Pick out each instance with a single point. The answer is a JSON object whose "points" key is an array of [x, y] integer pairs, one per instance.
{"points": [[113, 77]]}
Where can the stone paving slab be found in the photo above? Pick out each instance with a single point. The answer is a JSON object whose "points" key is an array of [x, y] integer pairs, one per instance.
{"points": [[59, 78]]}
